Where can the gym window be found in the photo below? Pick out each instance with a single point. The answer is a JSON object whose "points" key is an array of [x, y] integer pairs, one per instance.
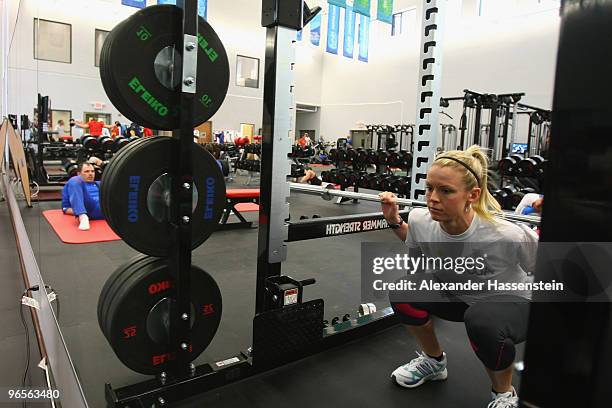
{"points": [[247, 71], [99, 37], [396, 26], [403, 21], [52, 41]]}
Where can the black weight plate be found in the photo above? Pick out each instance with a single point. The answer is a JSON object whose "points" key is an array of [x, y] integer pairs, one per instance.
{"points": [[108, 81], [118, 288], [137, 175], [139, 317], [106, 74], [109, 286], [108, 175], [137, 79]]}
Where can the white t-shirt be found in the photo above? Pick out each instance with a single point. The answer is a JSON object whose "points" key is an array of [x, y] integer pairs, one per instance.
{"points": [[527, 201], [509, 251]]}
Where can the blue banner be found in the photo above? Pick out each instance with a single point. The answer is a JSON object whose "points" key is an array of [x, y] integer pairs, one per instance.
{"points": [[364, 37], [299, 35], [315, 30], [333, 29], [349, 32], [203, 9], [202, 6], [362, 7], [384, 12], [339, 3], [134, 3]]}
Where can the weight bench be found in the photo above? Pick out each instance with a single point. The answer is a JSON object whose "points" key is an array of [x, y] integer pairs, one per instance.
{"points": [[232, 198]]}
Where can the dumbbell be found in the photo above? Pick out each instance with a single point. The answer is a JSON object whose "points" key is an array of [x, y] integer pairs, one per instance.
{"points": [[333, 155], [106, 143], [342, 179], [363, 180], [508, 166], [353, 178], [370, 180], [376, 182], [362, 155], [342, 155], [121, 142], [346, 178], [388, 183], [394, 159], [71, 167], [326, 176], [382, 157], [542, 164], [351, 154], [297, 170], [89, 142], [531, 166], [372, 156], [405, 158], [401, 185], [502, 198], [511, 191]]}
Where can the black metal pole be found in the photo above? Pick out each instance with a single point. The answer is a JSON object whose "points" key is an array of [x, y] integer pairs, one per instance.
{"points": [[506, 124], [265, 269], [529, 137], [181, 173], [492, 128], [477, 120]]}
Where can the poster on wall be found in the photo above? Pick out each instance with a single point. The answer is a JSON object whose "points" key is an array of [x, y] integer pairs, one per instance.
{"points": [[315, 30], [349, 32], [134, 3], [333, 28], [362, 7], [385, 11], [202, 6], [364, 37]]}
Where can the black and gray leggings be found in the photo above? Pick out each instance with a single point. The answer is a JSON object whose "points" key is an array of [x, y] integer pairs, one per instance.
{"points": [[493, 326]]}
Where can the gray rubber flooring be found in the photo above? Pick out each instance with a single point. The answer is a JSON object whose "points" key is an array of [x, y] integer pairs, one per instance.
{"points": [[354, 375]]}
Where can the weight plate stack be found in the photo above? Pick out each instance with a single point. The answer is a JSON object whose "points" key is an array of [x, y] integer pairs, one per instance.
{"points": [[141, 68], [134, 313], [135, 194]]}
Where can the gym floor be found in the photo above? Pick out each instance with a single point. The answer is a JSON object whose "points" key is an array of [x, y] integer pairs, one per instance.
{"points": [[356, 374]]}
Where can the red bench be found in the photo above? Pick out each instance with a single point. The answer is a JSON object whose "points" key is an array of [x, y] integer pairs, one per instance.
{"points": [[234, 197]]}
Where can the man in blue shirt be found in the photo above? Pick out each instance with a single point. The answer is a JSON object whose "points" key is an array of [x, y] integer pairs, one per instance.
{"points": [[81, 196]]}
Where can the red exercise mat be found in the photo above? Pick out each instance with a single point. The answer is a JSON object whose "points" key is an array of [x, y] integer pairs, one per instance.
{"points": [[247, 207], [65, 226]]}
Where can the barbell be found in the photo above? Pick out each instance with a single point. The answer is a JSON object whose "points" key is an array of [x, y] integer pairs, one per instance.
{"points": [[328, 192]]}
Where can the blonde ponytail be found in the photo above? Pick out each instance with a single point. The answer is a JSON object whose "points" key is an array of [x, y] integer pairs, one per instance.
{"points": [[487, 206]]}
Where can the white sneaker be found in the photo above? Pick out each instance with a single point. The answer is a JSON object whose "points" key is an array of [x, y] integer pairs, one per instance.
{"points": [[421, 369], [83, 222], [504, 400]]}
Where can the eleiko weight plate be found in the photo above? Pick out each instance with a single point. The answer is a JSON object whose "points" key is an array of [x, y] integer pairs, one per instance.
{"points": [[136, 195]]}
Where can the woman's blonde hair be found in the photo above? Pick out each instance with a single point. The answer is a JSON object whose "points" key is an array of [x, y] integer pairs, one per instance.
{"points": [[487, 206]]}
